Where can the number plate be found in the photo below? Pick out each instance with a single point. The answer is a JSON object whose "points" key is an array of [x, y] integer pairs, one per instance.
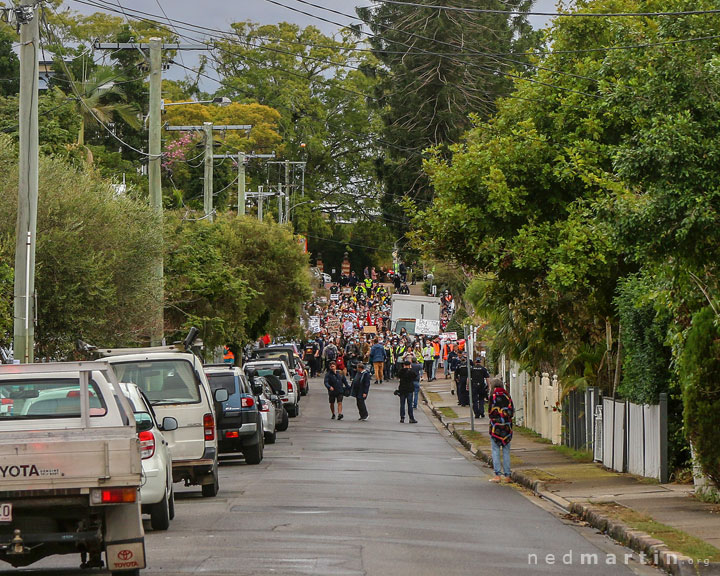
{"points": [[5, 512]]}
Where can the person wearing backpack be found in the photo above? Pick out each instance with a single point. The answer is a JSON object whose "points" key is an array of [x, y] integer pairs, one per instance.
{"points": [[330, 354], [501, 414], [360, 389]]}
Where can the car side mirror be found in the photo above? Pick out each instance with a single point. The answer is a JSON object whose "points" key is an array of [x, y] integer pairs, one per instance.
{"points": [[221, 395], [256, 389], [169, 424]]}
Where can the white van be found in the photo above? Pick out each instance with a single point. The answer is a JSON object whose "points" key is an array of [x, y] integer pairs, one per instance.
{"points": [[176, 386]]}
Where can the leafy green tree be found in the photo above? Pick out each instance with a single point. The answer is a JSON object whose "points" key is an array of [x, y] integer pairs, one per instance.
{"points": [[436, 68], [94, 257], [9, 62], [314, 82], [700, 374], [235, 278]]}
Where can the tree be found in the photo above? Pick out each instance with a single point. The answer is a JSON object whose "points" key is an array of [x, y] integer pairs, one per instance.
{"points": [[9, 63], [94, 257], [436, 67], [315, 83], [700, 373], [235, 279]]}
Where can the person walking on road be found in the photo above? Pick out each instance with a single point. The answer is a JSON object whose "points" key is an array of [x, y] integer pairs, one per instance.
{"points": [[360, 390], [501, 412], [377, 358], [418, 369], [335, 384], [405, 391]]}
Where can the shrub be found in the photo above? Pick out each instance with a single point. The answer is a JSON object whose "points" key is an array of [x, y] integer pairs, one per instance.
{"points": [[700, 378]]}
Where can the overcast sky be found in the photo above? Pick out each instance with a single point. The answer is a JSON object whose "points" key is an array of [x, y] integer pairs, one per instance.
{"points": [[220, 13]]}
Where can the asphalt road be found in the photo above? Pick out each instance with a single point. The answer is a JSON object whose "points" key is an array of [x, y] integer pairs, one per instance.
{"points": [[376, 498]]}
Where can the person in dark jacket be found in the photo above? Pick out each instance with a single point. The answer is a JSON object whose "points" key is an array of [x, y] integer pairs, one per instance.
{"points": [[377, 359], [501, 411], [335, 384], [461, 381], [478, 375], [405, 390], [360, 390]]}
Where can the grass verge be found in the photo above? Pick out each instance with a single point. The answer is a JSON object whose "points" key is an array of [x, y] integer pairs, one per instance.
{"points": [[434, 397], [447, 412], [577, 455], [676, 540]]}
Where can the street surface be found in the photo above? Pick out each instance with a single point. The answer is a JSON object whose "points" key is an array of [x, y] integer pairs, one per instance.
{"points": [[376, 498]]}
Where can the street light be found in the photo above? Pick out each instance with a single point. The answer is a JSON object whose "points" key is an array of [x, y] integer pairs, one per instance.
{"points": [[220, 101]]}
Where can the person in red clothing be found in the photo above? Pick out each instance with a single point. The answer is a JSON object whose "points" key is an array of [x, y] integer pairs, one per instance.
{"points": [[501, 414]]}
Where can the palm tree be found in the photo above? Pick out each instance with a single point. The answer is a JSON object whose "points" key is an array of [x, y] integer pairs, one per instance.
{"points": [[99, 98]]}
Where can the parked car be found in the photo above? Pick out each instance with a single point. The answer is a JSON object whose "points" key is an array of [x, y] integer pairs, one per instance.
{"points": [[157, 497], [278, 369], [173, 381], [288, 353], [239, 421], [270, 407]]}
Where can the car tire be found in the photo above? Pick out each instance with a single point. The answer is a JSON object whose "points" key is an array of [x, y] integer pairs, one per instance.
{"points": [[270, 437], [211, 490], [285, 422], [304, 391], [254, 454], [295, 411], [160, 513], [172, 503]]}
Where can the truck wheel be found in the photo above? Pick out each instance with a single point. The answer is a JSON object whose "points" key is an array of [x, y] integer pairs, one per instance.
{"points": [[284, 424], [254, 454], [160, 514], [211, 490]]}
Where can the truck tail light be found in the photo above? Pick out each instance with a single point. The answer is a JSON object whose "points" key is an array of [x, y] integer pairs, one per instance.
{"points": [[114, 495], [247, 402], [209, 425], [147, 444], [264, 406]]}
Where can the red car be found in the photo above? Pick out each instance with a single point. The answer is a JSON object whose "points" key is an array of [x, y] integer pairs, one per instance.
{"points": [[303, 375]]}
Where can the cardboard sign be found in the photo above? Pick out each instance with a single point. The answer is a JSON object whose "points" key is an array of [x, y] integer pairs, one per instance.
{"points": [[346, 290], [314, 324], [427, 327], [335, 297], [369, 329], [452, 336]]}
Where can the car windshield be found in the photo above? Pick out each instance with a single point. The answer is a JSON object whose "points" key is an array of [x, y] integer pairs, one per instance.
{"points": [[30, 399], [276, 354], [163, 381], [272, 370]]}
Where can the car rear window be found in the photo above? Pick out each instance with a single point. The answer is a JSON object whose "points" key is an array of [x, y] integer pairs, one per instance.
{"points": [[271, 354], [222, 380], [163, 381], [30, 399]]}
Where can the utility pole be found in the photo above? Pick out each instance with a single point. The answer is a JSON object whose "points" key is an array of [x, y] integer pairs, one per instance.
{"points": [[208, 174], [25, 231], [288, 187], [155, 180], [261, 197], [208, 129], [280, 204], [470, 350], [287, 191], [240, 158], [155, 48]]}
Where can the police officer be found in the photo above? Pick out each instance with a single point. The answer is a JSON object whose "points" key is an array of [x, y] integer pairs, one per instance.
{"points": [[478, 383]]}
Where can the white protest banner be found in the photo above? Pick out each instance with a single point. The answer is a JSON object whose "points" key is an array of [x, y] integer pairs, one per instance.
{"points": [[427, 327], [451, 336], [335, 297], [314, 324]]}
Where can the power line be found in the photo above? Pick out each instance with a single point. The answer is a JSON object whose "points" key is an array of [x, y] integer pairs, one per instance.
{"points": [[551, 14]]}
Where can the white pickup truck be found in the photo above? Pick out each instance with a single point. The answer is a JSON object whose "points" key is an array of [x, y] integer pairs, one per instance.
{"points": [[70, 467]]}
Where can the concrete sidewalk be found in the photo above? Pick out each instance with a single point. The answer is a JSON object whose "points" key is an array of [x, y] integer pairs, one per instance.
{"points": [[599, 496]]}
